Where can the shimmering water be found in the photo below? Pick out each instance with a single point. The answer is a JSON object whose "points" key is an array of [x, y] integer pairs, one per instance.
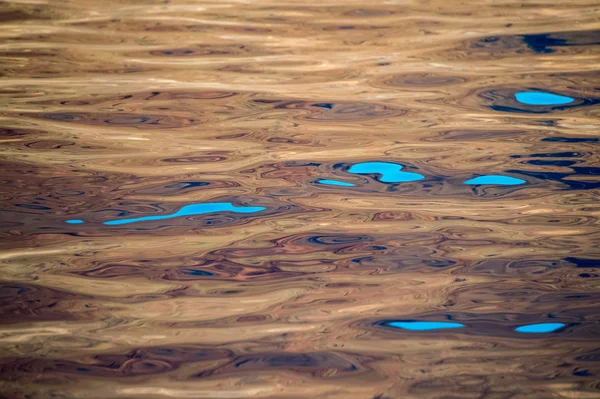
{"points": [[540, 328], [389, 172], [495, 180], [190, 210], [335, 183], [414, 325], [267, 199], [541, 98]]}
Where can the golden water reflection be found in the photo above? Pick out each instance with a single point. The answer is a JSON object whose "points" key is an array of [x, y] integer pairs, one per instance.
{"points": [[120, 110]]}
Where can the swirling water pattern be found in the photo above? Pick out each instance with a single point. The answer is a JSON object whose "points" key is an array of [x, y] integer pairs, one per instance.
{"points": [[314, 277]]}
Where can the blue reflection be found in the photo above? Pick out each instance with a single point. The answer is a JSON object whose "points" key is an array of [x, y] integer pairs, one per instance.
{"points": [[390, 172], [496, 179], [541, 98], [195, 209], [74, 221], [424, 325], [335, 183], [196, 272], [540, 328]]}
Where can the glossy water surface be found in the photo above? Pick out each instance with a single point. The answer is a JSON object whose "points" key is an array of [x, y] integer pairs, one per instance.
{"points": [[389, 172], [335, 183], [495, 180], [540, 328], [204, 146], [424, 325], [541, 98], [190, 210]]}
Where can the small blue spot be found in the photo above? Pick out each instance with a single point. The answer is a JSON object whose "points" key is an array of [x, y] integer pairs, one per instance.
{"points": [[74, 221], [324, 105], [582, 373], [195, 209], [196, 272], [335, 183], [390, 172], [540, 328], [541, 98], [496, 179], [424, 325]]}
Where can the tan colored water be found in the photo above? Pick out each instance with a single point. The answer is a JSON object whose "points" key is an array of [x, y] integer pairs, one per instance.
{"points": [[115, 110]]}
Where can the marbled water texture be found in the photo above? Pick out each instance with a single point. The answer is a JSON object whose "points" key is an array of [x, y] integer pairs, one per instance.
{"points": [[283, 200], [389, 173]]}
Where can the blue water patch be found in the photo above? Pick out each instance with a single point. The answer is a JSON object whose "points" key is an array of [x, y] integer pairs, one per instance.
{"points": [[541, 98], [564, 178], [540, 328], [571, 139], [194, 209], [423, 325], [582, 373], [496, 179], [587, 275], [390, 172], [196, 272], [74, 221], [584, 262], [335, 183]]}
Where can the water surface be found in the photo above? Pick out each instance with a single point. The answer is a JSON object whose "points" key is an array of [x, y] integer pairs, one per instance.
{"points": [[230, 199], [499, 180], [191, 210], [335, 183], [541, 98], [540, 328], [413, 325], [389, 172]]}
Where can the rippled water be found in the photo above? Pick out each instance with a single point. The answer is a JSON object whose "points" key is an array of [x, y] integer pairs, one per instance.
{"points": [[317, 199]]}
